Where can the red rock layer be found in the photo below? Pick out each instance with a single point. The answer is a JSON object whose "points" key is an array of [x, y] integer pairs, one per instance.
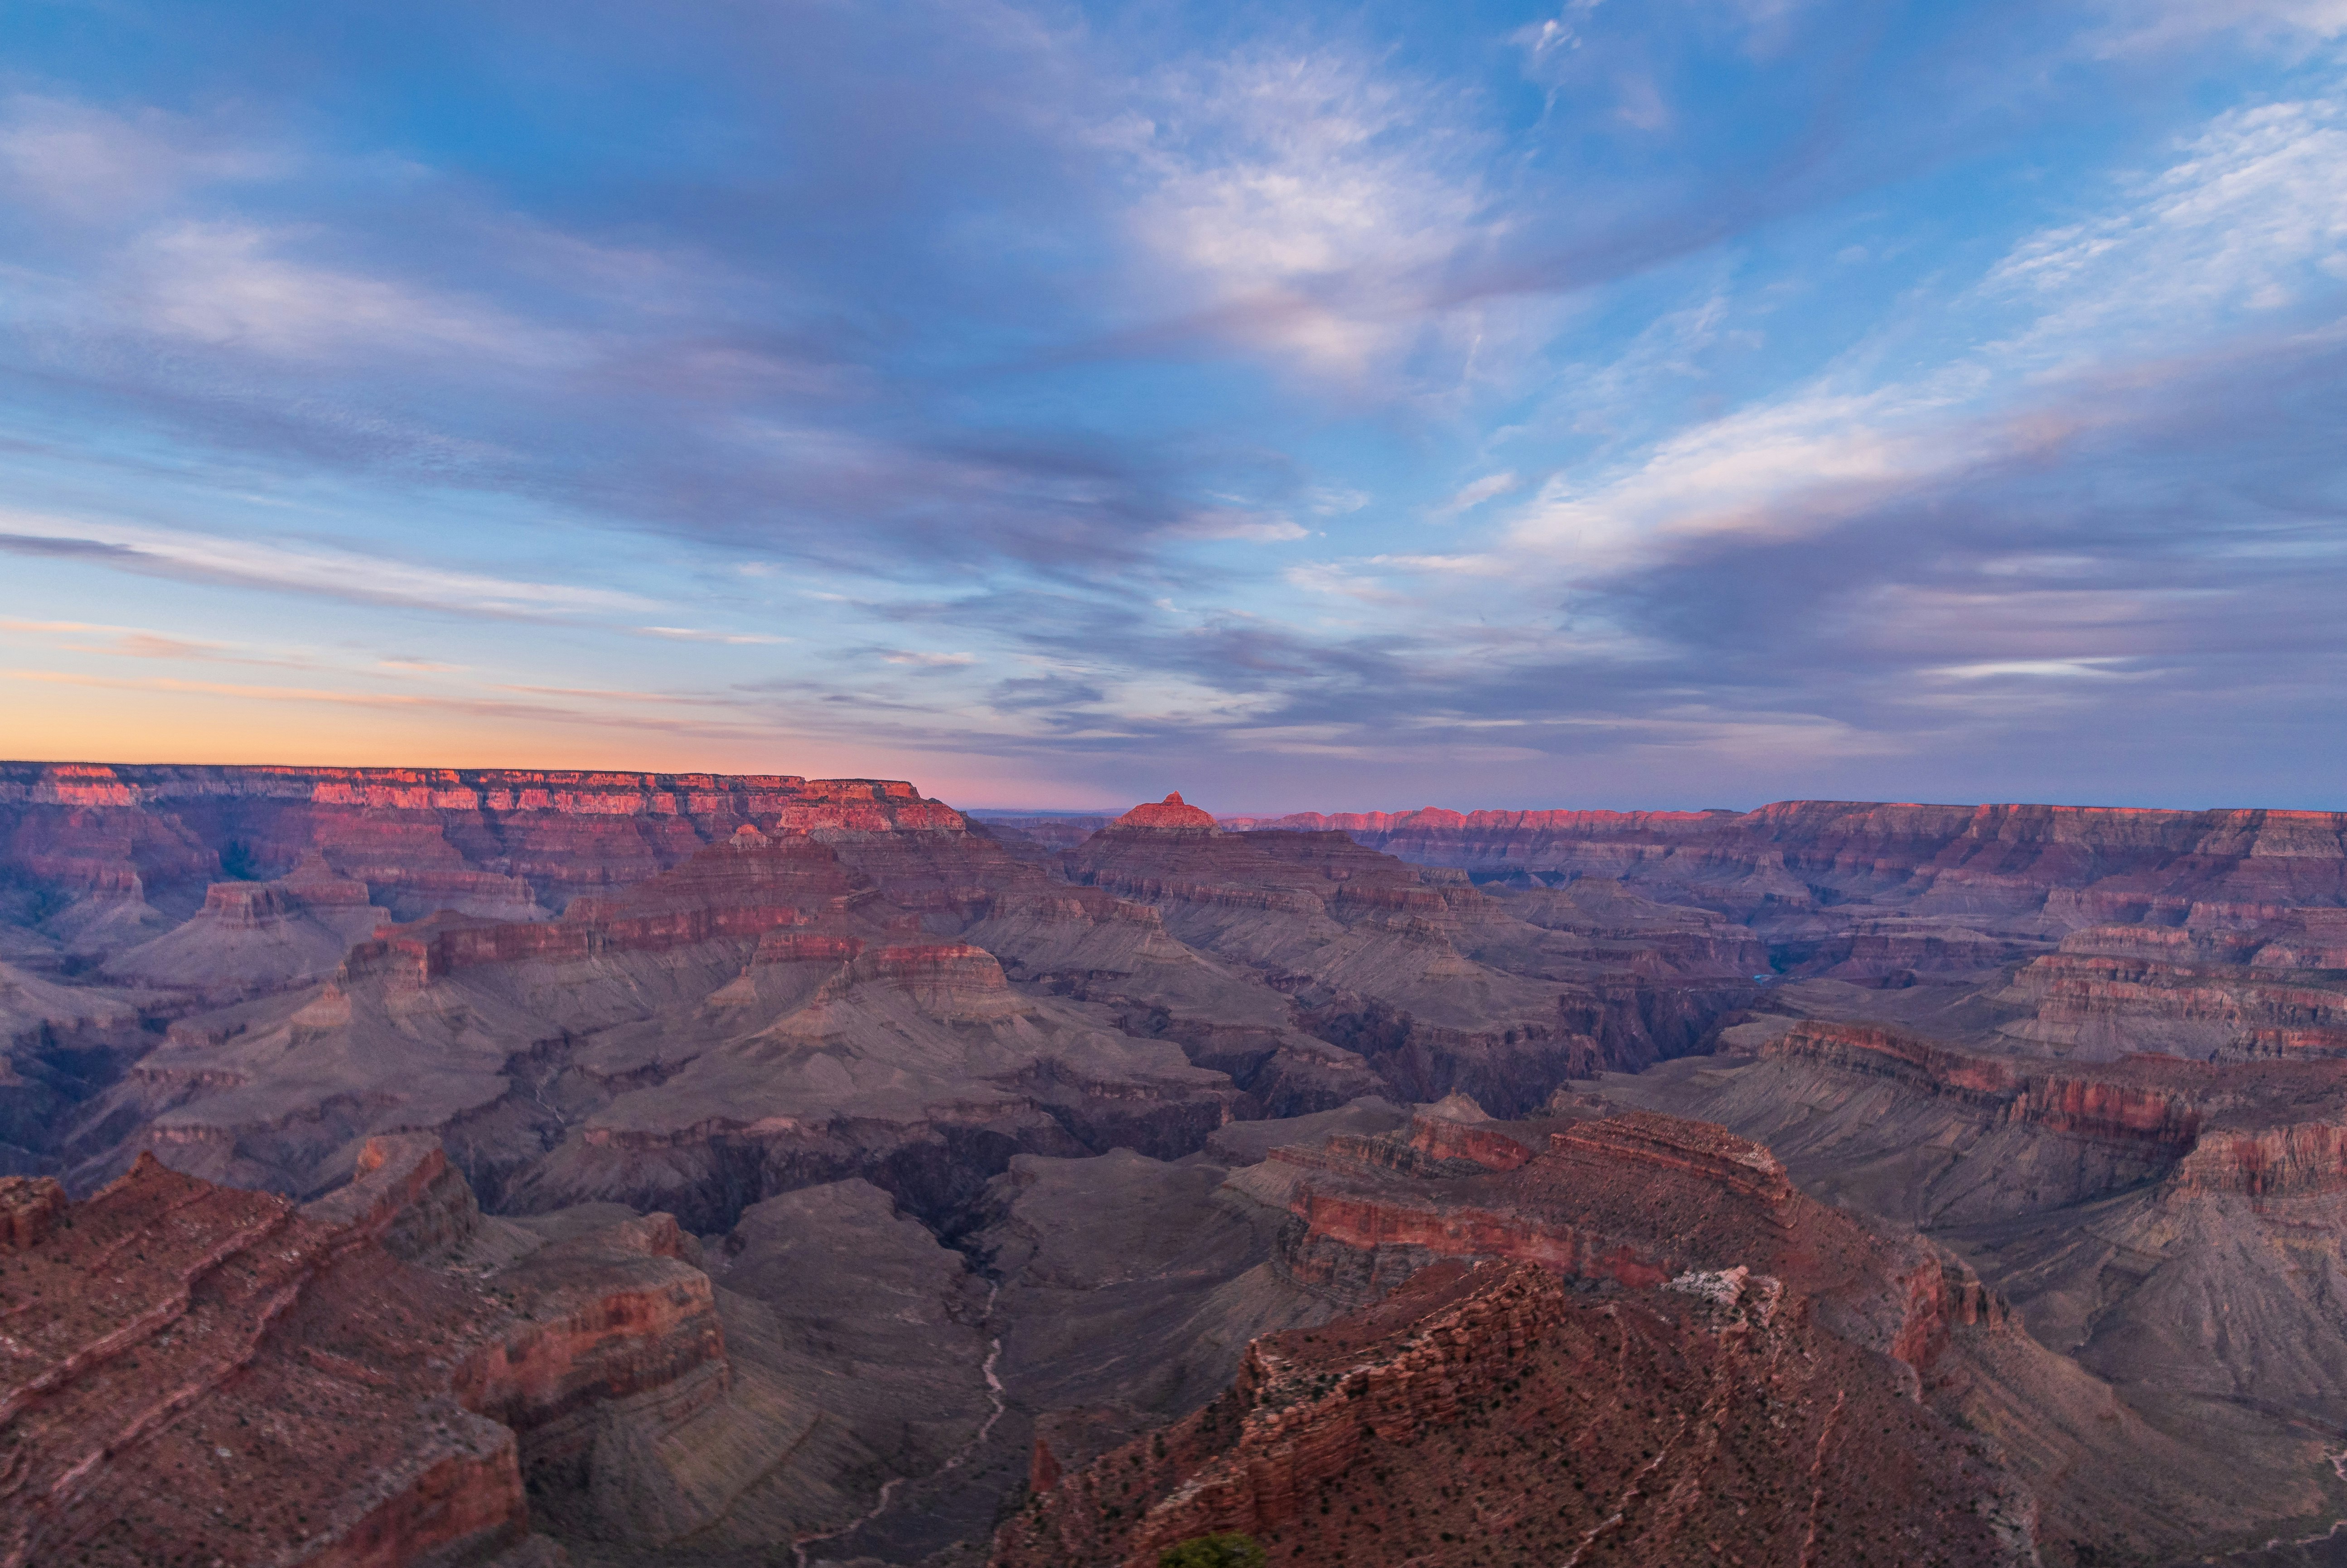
{"points": [[421, 837], [142, 1335], [2110, 861], [1293, 873], [611, 1316], [199, 1374], [1487, 1414], [2268, 986], [1170, 812], [29, 1207], [1635, 1199], [740, 889], [2266, 1128], [455, 789]]}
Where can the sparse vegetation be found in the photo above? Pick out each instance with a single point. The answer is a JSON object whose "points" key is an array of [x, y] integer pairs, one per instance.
{"points": [[1227, 1550]]}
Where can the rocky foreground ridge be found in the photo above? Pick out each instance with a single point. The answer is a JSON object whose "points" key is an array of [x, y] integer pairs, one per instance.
{"points": [[1631, 1338], [803, 1167], [199, 1374]]}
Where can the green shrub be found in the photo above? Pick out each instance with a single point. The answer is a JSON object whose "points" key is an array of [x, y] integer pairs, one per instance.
{"points": [[1228, 1549]]}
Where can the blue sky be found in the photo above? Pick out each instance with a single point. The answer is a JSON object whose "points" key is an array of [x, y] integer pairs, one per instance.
{"points": [[1345, 407]]}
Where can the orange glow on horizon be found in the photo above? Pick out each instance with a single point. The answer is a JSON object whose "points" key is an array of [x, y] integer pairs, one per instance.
{"points": [[48, 721]]}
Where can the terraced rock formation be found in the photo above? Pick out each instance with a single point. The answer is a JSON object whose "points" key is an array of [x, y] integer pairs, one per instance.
{"points": [[826, 1174], [2109, 863], [1631, 1338], [199, 1374], [856, 984], [1489, 1409], [2169, 1224]]}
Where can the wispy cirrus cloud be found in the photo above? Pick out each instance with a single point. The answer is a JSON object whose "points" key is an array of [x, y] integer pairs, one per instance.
{"points": [[1474, 493], [2250, 217], [1683, 401], [1293, 195], [306, 570], [694, 635]]}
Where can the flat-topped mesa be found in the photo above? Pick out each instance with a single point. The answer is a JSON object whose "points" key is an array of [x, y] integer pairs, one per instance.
{"points": [[449, 789], [501, 844], [252, 937], [1444, 1138], [952, 981], [2094, 863], [1884, 1054], [1171, 813], [740, 889], [1173, 858], [1428, 1146], [791, 894], [1701, 1148], [2146, 1101]]}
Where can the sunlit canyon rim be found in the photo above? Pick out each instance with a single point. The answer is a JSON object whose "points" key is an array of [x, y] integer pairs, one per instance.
{"points": [[522, 1168]]}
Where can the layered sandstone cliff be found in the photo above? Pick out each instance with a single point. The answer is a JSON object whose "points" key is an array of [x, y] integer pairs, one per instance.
{"points": [[2111, 860], [168, 1391], [497, 842], [2167, 1225], [201, 1373], [984, 1125], [2231, 982], [1645, 1202], [2263, 1128]]}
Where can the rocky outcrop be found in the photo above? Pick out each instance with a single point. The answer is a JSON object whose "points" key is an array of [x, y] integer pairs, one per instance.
{"points": [[1173, 811], [1483, 1410], [155, 1394], [2265, 1128], [1856, 1049], [29, 1207], [1990, 856], [197, 1372], [494, 843], [1643, 1203], [2289, 1160], [2154, 1220], [615, 1318], [253, 938], [1438, 987], [2268, 986], [1635, 1199]]}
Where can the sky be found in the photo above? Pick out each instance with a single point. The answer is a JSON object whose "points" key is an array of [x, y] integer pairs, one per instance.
{"points": [[1687, 404]]}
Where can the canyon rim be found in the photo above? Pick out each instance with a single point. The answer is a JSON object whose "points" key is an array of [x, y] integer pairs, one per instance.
{"points": [[412, 1166]]}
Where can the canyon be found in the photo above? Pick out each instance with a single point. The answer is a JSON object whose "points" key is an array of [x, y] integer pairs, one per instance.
{"points": [[522, 1168]]}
